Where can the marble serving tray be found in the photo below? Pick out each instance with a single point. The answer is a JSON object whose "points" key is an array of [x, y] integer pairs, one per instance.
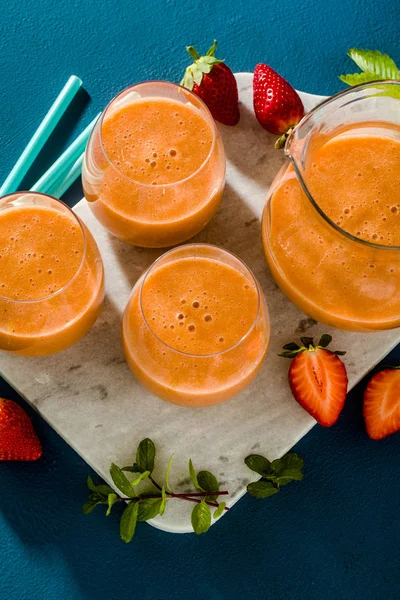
{"points": [[90, 397]]}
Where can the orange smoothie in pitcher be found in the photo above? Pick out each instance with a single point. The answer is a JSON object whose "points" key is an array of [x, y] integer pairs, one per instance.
{"points": [[51, 276], [196, 328], [354, 178], [154, 168]]}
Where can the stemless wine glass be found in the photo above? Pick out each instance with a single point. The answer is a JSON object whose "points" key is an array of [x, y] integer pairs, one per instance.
{"points": [[334, 275], [154, 167], [203, 340], [51, 275]]}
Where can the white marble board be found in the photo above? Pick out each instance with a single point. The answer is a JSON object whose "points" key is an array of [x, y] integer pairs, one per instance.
{"points": [[90, 397]]}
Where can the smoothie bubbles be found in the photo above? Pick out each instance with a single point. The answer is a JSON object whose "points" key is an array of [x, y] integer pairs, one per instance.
{"points": [[331, 224], [196, 327], [51, 275], [154, 169]]}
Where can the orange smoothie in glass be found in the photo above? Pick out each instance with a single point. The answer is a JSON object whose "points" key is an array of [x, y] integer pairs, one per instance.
{"points": [[154, 168], [345, 273], [51, 275], [196, 327]]}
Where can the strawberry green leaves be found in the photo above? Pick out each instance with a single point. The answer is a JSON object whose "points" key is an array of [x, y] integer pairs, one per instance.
{"points": [[202, 64], [280, 472], [374, 65], [291, 350], [141, 507]]}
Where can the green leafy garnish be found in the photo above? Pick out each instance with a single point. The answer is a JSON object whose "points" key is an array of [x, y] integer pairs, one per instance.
{"points": [[274, 474], [167, 474], [146, 506], [201, 518], [121, 481], [374, 66], [128, 522]]}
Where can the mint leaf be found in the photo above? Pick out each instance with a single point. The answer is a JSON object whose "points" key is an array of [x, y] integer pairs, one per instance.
{"points": [[145, 455], [288, 468], [149, 508], [121, 481], [262, 489], [128, 522], [193, 475], [167, 473], [163, 501], [357, 78], [201, 518], [219, 510], [258, 464], [208, 482], [112, 498], [104, 489], [373, 61], [134, 469], [90, 484], [325, 340], [143, 475], [88, 507]]}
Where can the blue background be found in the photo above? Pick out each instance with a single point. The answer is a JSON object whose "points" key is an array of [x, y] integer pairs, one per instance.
{"points": [[335, 535]]}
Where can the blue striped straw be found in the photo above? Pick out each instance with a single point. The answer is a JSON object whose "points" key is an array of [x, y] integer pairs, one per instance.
{"points": [[62, 186], [41, 135], [65, 161]]}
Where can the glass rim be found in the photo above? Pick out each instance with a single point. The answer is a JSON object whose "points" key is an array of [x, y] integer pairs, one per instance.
{"points": [[303, 184], [76, 219], [174, 85], [223, 250]]}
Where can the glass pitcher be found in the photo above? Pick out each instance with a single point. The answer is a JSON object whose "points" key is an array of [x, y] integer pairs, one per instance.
{"points": [[331, 223]]}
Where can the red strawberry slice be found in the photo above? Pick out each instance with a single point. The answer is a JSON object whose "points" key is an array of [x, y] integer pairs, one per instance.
{"points": [[382, 404], [18, 440], [317, 379], [213, 81], [277, 105]]}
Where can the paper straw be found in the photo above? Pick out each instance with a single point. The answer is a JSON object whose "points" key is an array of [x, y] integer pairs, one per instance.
{"points": [[62, 186], [65, 161], [41, 135]]}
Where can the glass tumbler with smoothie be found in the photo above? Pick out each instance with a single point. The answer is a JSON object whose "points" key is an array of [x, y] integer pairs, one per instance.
{"points": [[196, 327], [331, 225], [154, 168], [51, 275]]}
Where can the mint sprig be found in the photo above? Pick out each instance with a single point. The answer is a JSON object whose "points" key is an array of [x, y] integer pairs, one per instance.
{"points": [[374, 66], [273, 474], [145, 506]]}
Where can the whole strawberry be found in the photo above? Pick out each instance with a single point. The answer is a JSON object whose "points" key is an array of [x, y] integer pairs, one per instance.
{"points": [[317, 378], [215, 84], [277, 105], [18, 440]]}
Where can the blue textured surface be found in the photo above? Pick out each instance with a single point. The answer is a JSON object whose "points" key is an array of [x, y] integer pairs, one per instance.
{"points": [[335, 535]]}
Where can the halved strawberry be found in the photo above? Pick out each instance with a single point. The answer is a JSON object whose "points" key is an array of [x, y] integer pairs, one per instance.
{"points": [[317, 378], [382, 404]]}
